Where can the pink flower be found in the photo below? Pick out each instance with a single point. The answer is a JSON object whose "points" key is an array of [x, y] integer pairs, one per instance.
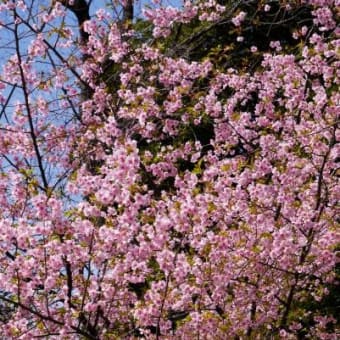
{"points": [[239, 18]]}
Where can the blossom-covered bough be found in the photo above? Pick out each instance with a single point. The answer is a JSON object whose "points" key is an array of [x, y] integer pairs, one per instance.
{"points": [[174, 176]]}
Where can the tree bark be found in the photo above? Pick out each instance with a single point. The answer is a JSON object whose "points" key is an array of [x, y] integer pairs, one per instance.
{"points": [[80, 8], [128, 11]]}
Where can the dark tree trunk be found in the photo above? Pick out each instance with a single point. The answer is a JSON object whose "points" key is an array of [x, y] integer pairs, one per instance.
{"points": [[128, 11], [80, 8]]}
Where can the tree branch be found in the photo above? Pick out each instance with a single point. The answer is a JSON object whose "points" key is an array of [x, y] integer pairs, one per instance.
{"points": [[81, 9]]}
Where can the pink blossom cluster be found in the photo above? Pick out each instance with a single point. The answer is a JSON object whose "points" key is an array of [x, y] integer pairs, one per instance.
{"points": [[169, 209]]}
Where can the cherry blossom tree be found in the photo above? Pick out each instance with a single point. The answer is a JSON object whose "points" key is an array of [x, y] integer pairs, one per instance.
{"points": [[171, 174]]}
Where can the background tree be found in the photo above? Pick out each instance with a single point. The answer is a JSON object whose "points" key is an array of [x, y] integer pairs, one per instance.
{"points": [[171, 176]]}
